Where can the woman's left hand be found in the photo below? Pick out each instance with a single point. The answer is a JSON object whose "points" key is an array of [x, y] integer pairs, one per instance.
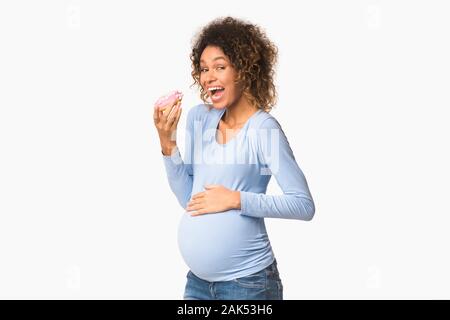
{"points": [[214, 199]]}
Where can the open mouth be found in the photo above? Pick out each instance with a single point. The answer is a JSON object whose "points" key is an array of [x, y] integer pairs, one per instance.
{"points": [[216, 93]]}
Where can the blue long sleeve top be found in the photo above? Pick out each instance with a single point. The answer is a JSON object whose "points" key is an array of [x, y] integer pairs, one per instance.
{"points": [[234, 243]]}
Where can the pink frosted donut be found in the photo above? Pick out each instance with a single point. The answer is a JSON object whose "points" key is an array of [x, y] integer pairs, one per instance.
{"points": [[169, 98]]}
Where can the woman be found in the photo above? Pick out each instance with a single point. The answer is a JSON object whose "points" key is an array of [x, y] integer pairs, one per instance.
{"points": [[233, 146]]}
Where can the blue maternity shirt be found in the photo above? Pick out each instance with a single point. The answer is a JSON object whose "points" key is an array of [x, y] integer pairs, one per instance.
{"points": [[234, 243]]}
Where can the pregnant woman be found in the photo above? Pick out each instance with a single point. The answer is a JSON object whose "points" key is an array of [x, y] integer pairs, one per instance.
{"points": [[233, 147]]}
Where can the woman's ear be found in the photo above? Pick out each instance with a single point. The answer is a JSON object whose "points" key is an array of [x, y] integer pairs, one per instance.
{"points": [[247, 94], [240, 85]]}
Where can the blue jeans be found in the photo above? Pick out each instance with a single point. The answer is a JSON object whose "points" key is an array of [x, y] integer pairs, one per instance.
{"points": [[262, 285]]}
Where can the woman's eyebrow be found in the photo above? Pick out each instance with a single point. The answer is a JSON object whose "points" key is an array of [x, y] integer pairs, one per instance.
{"points": [[216, 58]]}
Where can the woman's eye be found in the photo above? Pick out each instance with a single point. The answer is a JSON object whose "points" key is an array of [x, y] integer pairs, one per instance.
{"points": [[204, 69]]}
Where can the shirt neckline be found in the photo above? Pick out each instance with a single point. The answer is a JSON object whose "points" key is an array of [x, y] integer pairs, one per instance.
{"points": [[220, 114]]}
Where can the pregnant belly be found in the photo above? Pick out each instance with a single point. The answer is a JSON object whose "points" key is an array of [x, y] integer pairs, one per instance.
{"points": [[215, 245]]}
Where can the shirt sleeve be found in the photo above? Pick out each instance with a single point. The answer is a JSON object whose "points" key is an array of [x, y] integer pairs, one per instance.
{"points": [[296, 201], [179, 173]]}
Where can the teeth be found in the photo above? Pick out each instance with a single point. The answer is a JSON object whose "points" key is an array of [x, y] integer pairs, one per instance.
{"points": [[214, 88]]}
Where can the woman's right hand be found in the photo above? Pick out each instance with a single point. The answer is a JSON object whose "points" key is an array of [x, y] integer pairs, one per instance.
{"points": [[166, 119]]}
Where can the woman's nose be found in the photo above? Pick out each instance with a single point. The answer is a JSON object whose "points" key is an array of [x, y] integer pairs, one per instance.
{"points": [[210, 77]]}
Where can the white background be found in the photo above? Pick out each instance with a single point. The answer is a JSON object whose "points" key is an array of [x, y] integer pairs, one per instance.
{"points": [[85, 207]]}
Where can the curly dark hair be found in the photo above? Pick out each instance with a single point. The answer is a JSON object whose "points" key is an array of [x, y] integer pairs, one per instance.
{"points": [[250, 52]]}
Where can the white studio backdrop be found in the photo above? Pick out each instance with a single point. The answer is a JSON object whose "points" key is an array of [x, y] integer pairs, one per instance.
{"points": [[86, 211]]}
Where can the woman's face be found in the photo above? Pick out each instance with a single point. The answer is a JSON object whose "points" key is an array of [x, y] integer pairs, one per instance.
{"points": [[216, 71]]}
